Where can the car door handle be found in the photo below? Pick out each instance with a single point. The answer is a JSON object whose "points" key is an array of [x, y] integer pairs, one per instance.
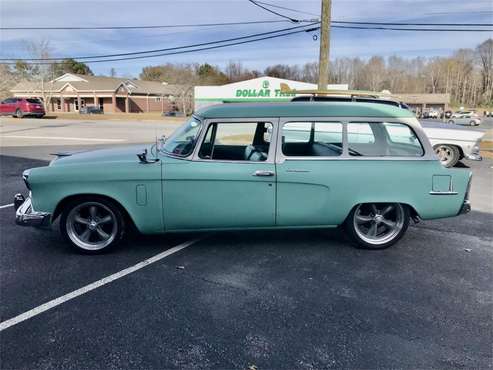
{"points": [[263, 173]]}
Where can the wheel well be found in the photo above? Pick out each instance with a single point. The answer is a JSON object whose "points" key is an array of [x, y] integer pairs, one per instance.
{"points": [[63, 203], [412, 211]]}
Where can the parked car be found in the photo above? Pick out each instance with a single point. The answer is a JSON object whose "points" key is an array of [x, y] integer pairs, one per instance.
{"points": [[432, 114], [447, 114], [453, 144], [462, 113], [172, 113], [369, 167], [22, 107], [465, 118], [90, 109]]}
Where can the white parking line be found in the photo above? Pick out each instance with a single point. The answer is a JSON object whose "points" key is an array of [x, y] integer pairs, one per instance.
{"points": [[7, 206], [62, 138], [76, 293]]}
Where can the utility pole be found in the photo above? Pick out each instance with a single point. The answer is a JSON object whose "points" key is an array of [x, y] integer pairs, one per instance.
{"points": [[323, 64]]}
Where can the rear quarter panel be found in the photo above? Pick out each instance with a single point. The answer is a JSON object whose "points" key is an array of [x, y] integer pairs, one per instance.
{"points": [[326, 190]]}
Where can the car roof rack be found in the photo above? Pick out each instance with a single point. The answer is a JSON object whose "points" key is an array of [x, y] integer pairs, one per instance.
{"points": [[285, 89], [344, 95]]}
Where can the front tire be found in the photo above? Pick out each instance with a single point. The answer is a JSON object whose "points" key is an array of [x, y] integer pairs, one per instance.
{"points": [[377, 225], [92, 225], [451, 122], [19, 113]]}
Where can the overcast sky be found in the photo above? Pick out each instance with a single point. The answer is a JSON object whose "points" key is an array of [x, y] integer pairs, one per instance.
{"points": [[296, 49]]}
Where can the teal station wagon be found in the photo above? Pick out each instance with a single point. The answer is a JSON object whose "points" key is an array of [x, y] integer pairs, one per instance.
{"points": [[366, 166]]}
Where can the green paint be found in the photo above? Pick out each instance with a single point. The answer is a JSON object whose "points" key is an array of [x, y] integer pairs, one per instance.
{"points": [[177, 194]]}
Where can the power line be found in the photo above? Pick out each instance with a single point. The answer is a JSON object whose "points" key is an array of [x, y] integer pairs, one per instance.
{"points": [[417, 24], [189, 51], [294, 20], [142, 27], [256, 2], [243, 23], [285, 8], [384, 28], [161, 50]]}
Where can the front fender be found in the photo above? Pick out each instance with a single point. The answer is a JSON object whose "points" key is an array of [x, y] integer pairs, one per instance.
{"points": [[135, 186]]}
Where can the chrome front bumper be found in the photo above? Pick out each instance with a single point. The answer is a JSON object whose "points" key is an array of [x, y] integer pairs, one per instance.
{"points": [[474, 157], [25, 215]]}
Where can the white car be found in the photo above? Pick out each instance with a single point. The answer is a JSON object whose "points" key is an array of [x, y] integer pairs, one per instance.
{"points": [[465, 118], [453, 144]]}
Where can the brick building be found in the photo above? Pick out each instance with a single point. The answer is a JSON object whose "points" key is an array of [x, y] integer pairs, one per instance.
{"points": [[70, 92]]}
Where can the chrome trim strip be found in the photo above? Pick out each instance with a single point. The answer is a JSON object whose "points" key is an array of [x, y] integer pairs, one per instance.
{"points": [[443, 193]]}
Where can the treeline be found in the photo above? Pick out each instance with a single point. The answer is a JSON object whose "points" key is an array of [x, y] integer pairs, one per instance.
{"points": [[467, 75]]}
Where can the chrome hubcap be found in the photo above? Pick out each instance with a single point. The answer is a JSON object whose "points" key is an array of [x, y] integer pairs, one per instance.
{"points": [[91, 226], [378, 223], [445, 154]]}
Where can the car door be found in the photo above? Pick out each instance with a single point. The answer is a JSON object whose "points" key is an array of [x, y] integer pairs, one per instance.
{"points": [[6, 106], [228, 183], [307, 171]]}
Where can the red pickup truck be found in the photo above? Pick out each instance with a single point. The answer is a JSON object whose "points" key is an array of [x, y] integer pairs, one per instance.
{"points": [[21, 107]]}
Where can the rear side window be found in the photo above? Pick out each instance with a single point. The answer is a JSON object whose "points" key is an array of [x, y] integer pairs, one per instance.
{"points": [[312, 139], [382, 139], [34, 101]]}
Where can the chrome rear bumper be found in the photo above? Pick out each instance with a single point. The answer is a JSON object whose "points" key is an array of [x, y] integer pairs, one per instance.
{"points": [[25, 215], [466, 207]]}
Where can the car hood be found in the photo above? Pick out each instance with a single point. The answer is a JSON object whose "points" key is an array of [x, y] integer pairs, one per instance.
{"points": [[119, 154]]}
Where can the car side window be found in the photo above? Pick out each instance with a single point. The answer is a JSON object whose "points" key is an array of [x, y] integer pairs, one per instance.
{"points": [[242, 141], [312, 139], [382, 139]]}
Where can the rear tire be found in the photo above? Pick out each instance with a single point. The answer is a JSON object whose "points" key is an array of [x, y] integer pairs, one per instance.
{"points": [[449, 155], [377, 225], [19, 113], [92, 224], [451, 122]]}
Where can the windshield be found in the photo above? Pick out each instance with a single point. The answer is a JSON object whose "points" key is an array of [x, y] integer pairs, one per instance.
{"points": [[182, 141]]}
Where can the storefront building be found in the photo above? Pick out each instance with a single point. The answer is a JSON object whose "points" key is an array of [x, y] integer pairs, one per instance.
{"points": [[262, 89]]}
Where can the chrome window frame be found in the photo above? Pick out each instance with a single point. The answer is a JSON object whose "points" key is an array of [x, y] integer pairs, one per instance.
{"points": [[412, 123], [271, 157], [199, 138]]}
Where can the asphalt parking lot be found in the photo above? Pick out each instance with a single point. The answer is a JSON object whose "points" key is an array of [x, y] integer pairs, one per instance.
{"points": [[270, 299]]}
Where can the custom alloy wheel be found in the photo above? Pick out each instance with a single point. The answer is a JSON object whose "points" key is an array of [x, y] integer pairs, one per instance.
{"points": [[448, 154], [92, 226], [378, 225]]}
